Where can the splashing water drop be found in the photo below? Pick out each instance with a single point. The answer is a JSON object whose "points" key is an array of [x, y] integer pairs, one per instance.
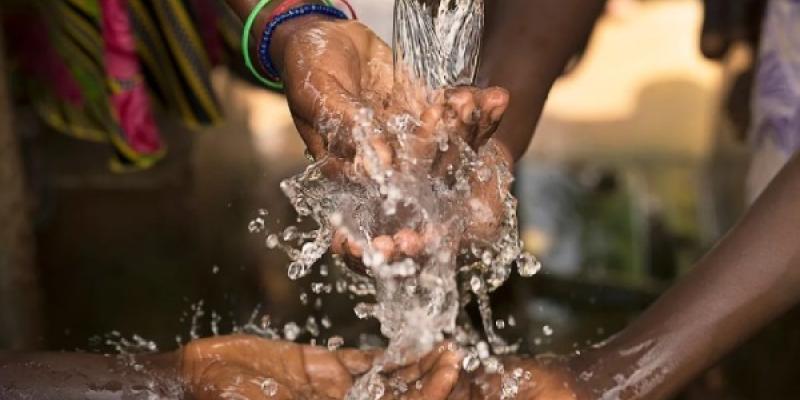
{"points": [[272, 241], [364, 310], [476, 284], [256, 225], [528, 265], [335, 342], [547, 330], [291, 331], [269, 387]]}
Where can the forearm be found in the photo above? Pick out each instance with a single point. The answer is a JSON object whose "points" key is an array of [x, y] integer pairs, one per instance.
{"points": [[750, 278], [526, 47], [67, 376]]}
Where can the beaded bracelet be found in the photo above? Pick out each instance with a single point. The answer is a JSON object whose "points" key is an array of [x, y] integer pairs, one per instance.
{"points": [[308, 9], [248, 27]]}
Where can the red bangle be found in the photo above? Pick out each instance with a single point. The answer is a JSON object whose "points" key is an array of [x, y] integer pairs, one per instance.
{"points": [[349, 7], [285, 6]]}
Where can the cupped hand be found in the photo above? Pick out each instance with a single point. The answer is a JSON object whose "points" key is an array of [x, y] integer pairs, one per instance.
{"points": [[339, 74], [535, 379], [251, 368]]}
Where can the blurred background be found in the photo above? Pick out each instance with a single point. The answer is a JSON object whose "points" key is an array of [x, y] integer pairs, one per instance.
{"points": [[637, 168]]}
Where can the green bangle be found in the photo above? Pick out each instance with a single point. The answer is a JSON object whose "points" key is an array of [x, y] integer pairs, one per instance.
{"points": [[248, 27]]}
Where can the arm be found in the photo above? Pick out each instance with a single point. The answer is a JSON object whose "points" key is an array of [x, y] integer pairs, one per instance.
{"points": [[76, 376], [750, 278], [526, 47]]}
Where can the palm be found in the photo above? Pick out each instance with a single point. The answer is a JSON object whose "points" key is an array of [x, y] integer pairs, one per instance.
{"points": [[334, 70], [541, 380], [246, 367]]}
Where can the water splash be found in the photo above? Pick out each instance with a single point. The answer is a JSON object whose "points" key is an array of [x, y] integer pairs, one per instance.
{"points": [[435, 189]]}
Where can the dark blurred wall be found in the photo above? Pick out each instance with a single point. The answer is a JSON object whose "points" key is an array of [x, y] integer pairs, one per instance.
{"points": [[19, 290]]}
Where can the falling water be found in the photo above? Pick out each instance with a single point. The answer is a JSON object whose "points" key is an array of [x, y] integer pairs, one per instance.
{"points": [[437, 186]]}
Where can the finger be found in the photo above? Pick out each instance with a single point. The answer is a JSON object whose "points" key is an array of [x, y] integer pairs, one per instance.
{"points": [[715, 38], [493, 103], [339, 241], [414, 371], [225, 381], [429, 119], [408, 242], [377, 158], [385, 245], [326, 373], [423, 143], [441, 378], [354, 249], [357, 362], [462, 102], [315, 143]]}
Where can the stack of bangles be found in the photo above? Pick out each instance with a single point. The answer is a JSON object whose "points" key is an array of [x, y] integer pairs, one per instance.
{"points": [[287, 10]]}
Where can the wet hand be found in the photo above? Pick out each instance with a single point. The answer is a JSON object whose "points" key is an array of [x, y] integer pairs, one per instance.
{"points": [[470, 117], [247, 367], [535, 379], [334, 70]]}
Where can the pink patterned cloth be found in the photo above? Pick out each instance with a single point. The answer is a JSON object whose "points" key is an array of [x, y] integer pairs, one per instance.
{"points": [[129, 99]]}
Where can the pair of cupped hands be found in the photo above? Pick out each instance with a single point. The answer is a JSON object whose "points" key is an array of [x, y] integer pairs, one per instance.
{"points": [[250, 368], [333, 71]]}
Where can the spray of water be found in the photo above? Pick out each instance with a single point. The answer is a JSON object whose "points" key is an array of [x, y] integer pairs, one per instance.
{"points": [[418, 301]]}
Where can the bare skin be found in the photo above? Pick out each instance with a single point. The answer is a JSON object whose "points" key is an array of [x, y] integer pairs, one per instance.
{"points": [[238, 366]]}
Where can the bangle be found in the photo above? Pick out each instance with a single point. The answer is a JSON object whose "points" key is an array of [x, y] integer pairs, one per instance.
{"points": [[283, 7], [248, 27], [308, 9], [350, 8]]}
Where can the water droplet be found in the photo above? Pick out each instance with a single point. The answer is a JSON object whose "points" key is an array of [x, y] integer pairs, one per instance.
{"points": [[471, 362], [297, 270], [364, 310], [334, 342], [528, 265], [290, 233], [256, 225], [291, 331], [476, 284], [325, 322], [269, 387], [311, 327], [272, 241]]}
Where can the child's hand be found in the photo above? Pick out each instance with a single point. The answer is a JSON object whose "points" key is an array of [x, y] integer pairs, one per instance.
{"points": [[537, 379], [251, 368]]}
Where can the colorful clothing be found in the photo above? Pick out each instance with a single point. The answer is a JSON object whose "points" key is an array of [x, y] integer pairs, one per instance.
{"points": [[777, 94], [776, 104], [94, 69]]}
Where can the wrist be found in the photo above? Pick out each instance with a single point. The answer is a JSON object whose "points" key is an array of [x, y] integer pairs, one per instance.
{"points": [[285, 31]]}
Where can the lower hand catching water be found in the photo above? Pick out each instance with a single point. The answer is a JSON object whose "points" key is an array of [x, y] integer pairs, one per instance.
{"points": [[247, 367]]}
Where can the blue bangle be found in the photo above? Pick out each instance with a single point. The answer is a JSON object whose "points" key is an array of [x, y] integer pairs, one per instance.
{"points": [[308, 9]]}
